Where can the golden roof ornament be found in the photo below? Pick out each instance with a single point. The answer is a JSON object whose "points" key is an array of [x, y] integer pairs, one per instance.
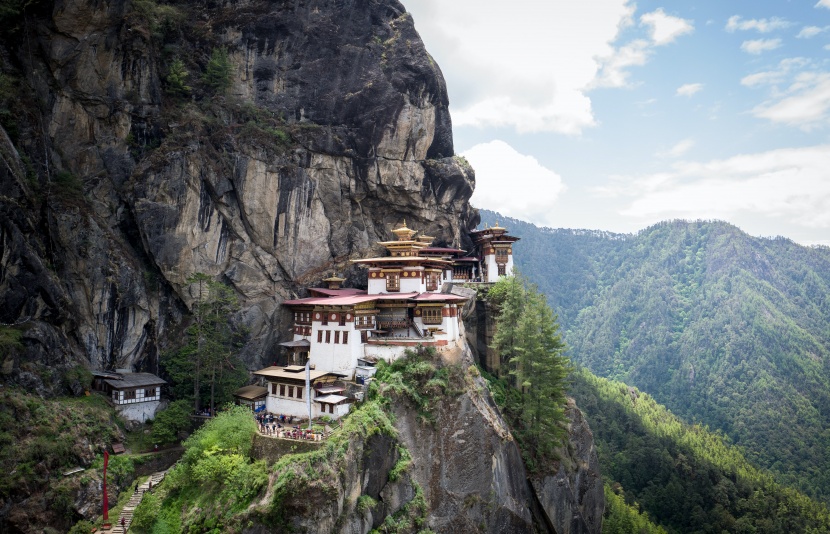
{"points": [[403, 233]]}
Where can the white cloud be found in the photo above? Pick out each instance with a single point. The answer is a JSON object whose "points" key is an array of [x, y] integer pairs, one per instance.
{"points": [[735, 22], [523, 64], [514, 184], [805, 103], [756, 46], [613, 72], [787, 184], [688, 89], [677, 150], [665, 28], [811, 31], [777, 75], [823, 3]]}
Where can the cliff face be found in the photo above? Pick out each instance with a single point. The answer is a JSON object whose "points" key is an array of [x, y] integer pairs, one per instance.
{"points": [[334, 128]]}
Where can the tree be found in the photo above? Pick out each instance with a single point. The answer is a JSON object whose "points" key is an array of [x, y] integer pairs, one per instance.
{"points": [[177, 79], [533, 362], [218, 71], [208, 361], [540, 369], [508, 296]]}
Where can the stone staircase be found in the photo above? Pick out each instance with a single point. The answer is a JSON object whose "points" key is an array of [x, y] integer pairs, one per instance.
{"points": [[129, 508]]}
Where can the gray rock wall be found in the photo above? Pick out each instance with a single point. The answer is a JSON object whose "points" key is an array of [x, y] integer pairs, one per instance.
{"points": [[161, 187]]}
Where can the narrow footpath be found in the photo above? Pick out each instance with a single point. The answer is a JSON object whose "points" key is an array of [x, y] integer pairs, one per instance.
{"points": [[129, 508]]}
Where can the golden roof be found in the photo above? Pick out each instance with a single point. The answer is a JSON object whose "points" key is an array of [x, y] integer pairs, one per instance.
{"points": [[403, 233]]}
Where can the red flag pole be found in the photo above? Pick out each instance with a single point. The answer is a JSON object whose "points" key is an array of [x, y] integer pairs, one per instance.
{"points": [[106, 503]]}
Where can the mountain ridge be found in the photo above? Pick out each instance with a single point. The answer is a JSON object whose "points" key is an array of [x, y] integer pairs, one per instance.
{"points": [[723, 328]]}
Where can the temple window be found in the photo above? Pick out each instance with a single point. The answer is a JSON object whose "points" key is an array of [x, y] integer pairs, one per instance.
{"points": [[328, 336], [319, 336], [432, 281], [336, 337], [432, 315], [345, 337], [393, 282]]}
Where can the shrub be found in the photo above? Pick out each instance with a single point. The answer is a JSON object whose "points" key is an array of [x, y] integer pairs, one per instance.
{"points": [[168, 423]]}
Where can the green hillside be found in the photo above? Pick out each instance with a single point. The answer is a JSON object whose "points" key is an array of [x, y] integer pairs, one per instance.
{"points": [[684, 477], [723, 328]]}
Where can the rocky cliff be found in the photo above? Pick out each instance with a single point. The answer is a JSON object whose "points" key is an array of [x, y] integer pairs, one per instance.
{"points": [[429, 451], [116, 187], [126, 167]]}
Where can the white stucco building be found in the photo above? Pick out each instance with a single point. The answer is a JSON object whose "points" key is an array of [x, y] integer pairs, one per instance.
{"points": [[335, 329]]}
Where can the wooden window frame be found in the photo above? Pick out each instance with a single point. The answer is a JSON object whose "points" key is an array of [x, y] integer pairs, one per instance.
{"points": [[432, 315], [393, 282]]}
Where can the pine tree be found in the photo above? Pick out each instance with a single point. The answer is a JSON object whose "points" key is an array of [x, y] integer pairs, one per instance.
{"points": [[177, 79], [218, 71], [209, 356], [531, 351], [540, 369], [508, 296]]}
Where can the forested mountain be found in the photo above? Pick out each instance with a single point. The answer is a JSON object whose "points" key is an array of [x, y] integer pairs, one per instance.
{"points": [[684, 477], [723, 328]]}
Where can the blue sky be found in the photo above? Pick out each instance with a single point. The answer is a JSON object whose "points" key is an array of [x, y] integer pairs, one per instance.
{"points": [[614, 115]]}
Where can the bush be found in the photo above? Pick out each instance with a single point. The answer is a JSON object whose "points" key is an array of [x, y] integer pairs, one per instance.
{"points": [[168, 423]]}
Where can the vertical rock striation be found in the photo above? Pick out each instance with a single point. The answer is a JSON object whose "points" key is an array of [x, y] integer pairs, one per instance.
{"points": [[334, 128]]}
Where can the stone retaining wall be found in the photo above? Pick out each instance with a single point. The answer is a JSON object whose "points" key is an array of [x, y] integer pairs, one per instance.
{"points": [[272, 449]]}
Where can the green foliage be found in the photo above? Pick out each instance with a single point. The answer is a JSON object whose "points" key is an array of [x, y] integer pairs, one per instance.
{"points": [[177, 79], [67, 185], [623, 518], [229, 432], [81, 527], [533, 362], [146, 513], [723, 328], [9, 339], [160, 19], [207, 368], [218, 72], [365, 503], [417, 377], [685, 477], [215, 477], [169, 422], [77, 375], [40, 438], [402, 465]]}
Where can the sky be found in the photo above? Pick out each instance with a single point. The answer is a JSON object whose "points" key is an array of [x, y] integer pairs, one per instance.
{"points": [[614, 115]]}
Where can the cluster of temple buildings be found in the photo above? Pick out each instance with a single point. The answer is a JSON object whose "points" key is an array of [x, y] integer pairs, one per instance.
{"points": [[342, 332]]}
